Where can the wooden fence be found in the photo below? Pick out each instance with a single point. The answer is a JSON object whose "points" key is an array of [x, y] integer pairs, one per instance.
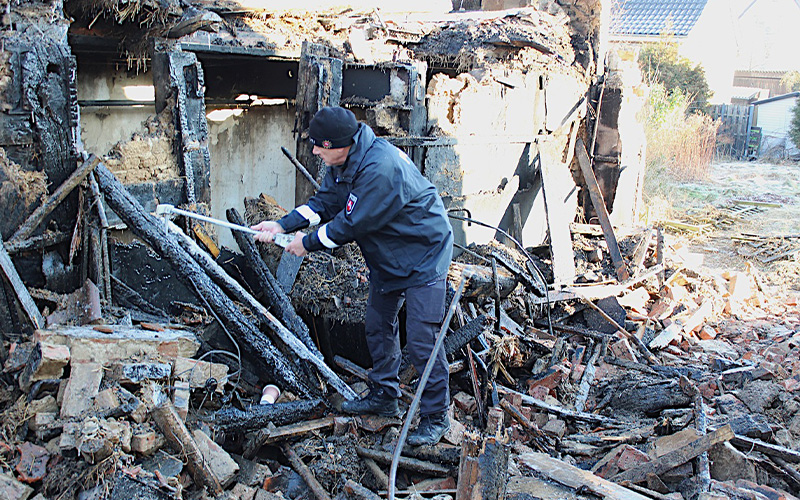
{"points": [[732, 133]]}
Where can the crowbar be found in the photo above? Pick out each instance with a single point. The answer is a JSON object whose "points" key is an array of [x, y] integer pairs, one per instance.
{"points": [[163, 210]]}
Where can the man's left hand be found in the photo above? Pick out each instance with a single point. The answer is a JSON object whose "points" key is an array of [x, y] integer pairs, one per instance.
{"points": [[296, 246]]}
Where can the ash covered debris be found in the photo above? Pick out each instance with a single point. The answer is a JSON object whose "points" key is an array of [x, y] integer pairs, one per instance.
{"points": [[135, 353]]}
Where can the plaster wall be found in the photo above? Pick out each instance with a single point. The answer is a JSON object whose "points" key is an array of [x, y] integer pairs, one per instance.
{"points": [[496, 121], [104, 126], [246, 160]]}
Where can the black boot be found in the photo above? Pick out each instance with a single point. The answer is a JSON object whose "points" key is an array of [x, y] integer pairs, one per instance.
{"points": [[377, 402], [430, 430]]}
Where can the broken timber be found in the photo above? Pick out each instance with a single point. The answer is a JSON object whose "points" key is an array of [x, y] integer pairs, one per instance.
{"points": [[183, 444], [29, 226], [574, 477], [275, 294], [190, 273], [483, 468], [675, 457], [23, 295], [355, 490], [555, 410], [407, 463], [600, 207], [305, 473], [287, 337]]}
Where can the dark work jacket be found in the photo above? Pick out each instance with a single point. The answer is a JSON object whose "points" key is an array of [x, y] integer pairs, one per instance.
{"points": [[379, 199]]}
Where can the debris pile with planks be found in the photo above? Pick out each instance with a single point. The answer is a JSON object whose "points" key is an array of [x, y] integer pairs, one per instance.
{"points": [[620, 388], [599, 363]]}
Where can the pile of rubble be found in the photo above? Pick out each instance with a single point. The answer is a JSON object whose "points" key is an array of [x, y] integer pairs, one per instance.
{"points": [[673, 383]]}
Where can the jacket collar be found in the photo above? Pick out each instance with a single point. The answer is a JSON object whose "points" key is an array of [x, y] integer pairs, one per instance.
{"points": [[362, 141]]}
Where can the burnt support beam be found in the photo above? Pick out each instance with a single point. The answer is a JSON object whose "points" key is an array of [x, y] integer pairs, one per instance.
{"points": [[602, 213], [147, 227], [29, 226], [319, 84], [272, 290]]}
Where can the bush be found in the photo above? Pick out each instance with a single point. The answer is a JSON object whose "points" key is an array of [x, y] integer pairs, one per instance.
{"points": [[794, 128], [661, 63], [678, 144]]}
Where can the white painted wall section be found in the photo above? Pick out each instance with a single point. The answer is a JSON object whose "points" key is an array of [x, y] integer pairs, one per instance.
{"points": [[246, 160]]}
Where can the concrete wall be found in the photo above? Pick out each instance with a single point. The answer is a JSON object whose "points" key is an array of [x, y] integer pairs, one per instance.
{"points": [[102, 127], [246, 160]]}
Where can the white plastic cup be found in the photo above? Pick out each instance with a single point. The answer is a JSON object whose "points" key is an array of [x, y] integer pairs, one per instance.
{"points": [[270, 394]]}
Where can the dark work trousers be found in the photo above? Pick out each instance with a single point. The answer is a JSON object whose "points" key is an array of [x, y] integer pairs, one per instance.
{"points": [[424, 315]]}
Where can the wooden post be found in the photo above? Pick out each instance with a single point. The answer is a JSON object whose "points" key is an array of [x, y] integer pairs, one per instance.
{"points": [[483, 469], [602, 213], [18, 286], [319, 84], [183, 444]]}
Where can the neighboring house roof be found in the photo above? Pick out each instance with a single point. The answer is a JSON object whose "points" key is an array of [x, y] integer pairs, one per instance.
{"points": [[655, 17], [749, 93], [790, 95]]}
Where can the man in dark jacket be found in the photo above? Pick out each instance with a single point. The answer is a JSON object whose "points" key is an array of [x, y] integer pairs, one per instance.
{"points": [[374, 195]]}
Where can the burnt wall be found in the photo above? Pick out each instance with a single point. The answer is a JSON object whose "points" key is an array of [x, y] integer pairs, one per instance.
{"points": [[37, 97]]}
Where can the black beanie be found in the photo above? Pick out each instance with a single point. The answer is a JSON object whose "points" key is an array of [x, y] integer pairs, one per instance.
{"points": [[333, 128]]}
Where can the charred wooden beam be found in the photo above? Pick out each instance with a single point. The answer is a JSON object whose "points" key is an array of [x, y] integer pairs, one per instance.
{"points": [[380, 477], [675, 457], [101, 214], [173, 428], [481, 280], [407, 463], [588, 375], [37, 242], [483, 469], [274, 293], [265, 317], [600, 207], [29, 226], [769, 449], [438, 453], [18, 286], [129, 297], [301, 468], [555, 410], [191, 274], [355, 490], [258, 416]]}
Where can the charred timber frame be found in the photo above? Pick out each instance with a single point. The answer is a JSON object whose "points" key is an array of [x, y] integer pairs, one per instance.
{"points": [[190, 273]]}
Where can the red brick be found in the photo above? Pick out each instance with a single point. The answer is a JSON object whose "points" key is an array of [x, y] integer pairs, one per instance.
{"points": [[631, 457]]}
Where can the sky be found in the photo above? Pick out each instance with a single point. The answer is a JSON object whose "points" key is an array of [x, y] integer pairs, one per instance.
{"points": [[730, 36]]}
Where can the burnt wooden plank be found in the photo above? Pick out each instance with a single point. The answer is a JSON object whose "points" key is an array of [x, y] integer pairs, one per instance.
{"points": [[675, 457], [602, 213], [574, 477]]}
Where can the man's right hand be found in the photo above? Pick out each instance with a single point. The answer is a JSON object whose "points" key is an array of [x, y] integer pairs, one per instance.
{"points": [[267, 231]]}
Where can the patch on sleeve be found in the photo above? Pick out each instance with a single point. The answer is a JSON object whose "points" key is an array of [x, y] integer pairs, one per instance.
{"points": [[351, 203]]}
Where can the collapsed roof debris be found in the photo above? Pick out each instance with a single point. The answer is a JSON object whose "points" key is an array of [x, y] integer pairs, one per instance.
{"points": [[139, 353]]}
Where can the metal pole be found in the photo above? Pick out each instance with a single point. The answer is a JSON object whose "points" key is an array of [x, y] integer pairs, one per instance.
{"points": [[423, 381]]}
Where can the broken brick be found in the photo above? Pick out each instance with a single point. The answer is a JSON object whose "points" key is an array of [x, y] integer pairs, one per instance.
{"points": [[32, 464]]}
